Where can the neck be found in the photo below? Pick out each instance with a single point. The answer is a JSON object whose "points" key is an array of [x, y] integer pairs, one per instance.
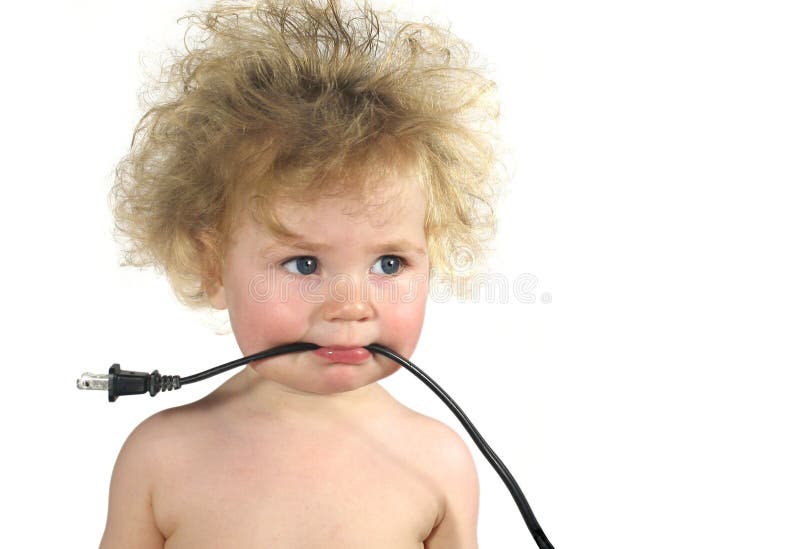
{"points": [[262, 397]]}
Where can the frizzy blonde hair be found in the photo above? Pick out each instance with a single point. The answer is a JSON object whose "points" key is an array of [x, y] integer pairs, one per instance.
{"points": [[294, 99]]}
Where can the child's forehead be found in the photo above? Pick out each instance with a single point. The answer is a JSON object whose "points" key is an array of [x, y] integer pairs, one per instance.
{"points": [[377, 208], [285, 206]]}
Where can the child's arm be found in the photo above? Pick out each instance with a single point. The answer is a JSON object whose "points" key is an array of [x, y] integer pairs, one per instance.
{"points": [[459, 525], [131, 522]]}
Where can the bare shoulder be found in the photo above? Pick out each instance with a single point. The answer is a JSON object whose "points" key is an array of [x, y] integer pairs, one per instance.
{"points": [[160, 428], [458, 481], [442, 441], [156, 440], [142, 464]]}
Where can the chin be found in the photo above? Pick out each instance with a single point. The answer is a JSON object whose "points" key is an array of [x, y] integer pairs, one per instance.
{"points": [[342, 381]]}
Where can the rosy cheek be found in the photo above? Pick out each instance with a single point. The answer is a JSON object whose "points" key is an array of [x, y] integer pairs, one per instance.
{"points": [[282, 316], [259, 323], [404, 324]]}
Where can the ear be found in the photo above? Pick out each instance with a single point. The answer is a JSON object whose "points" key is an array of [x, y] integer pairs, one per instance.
{"points": [[212, 281], [216, 294]]}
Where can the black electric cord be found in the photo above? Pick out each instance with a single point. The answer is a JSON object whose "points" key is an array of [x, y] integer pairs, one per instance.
{"points": [[122, 382]]}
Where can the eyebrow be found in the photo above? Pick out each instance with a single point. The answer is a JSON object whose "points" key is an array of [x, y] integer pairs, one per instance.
{"points": [[404, 246]]}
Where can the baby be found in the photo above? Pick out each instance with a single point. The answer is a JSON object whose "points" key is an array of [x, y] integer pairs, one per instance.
{"points": [[312, 170]]}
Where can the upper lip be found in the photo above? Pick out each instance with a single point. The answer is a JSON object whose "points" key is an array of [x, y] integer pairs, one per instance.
{"points": [[340, 347]]}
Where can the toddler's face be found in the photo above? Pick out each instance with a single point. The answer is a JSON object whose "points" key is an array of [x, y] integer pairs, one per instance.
{"points": [[355, 275]]}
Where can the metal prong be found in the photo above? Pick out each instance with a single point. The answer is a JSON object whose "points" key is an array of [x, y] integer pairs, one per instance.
{"points": [[93, 382]]}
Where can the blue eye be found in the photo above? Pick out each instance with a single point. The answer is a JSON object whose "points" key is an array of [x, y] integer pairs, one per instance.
{"points": [[304, 265], [389, 264]]}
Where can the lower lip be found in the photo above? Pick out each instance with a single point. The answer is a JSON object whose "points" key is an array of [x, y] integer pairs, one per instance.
{"points": [[354, 355]]}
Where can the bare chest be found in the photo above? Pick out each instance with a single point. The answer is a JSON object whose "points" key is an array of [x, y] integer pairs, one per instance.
{"points": [[301, 490]]}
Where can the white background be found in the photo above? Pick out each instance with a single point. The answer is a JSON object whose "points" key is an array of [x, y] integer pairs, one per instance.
{"points": [[652, 404]]}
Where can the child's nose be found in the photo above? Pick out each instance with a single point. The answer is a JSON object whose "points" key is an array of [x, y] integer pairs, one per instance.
{"points": [[348, 310], [347, 302]]}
